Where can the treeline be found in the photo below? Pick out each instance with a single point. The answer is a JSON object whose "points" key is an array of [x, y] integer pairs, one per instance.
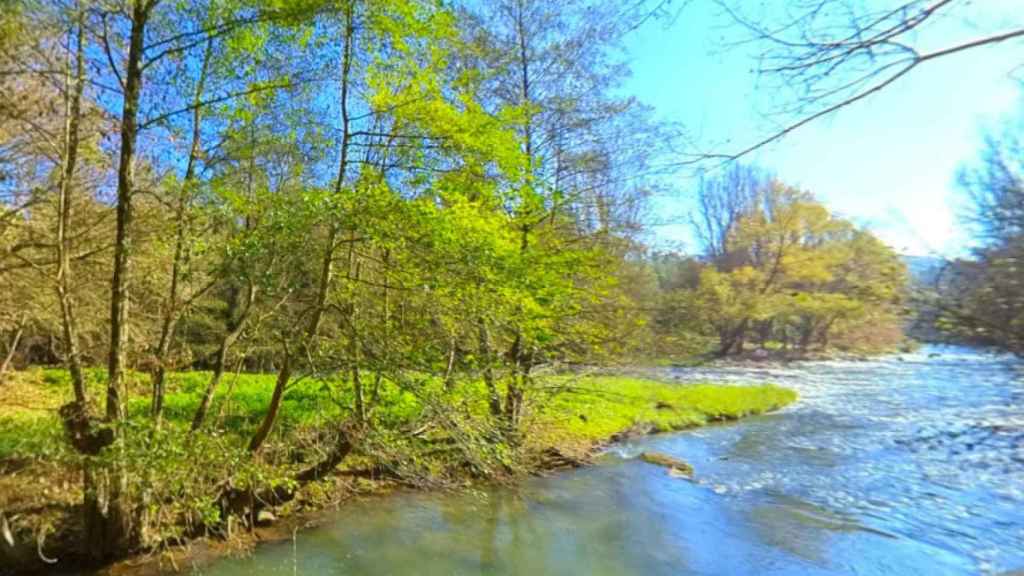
{"points": [[979, 298], [779, 271]]}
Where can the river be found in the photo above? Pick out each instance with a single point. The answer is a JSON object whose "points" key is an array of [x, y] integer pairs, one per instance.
{"points": [[902, 465]]}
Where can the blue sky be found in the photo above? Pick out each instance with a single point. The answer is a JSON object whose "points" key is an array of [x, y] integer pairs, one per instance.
{"points": [[889, 162]]}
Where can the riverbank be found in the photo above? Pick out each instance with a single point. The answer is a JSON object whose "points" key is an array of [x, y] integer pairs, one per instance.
{"points": [[409, 443], [772, 354]]}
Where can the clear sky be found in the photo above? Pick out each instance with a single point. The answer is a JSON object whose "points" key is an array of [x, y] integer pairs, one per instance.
{"points": [[888, 162]]}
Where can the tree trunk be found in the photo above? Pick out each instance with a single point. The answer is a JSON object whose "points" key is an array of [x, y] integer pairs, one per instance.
{"points": [[173, 306], [338, 453], [211, 387], [826, 331], [159, 375], [524, 80], [12, 348], [327, 266], [355, 352], [450, 367], [513, 403], [246, 503], [487, 355], [386, 319], [115, 521], [228, 393], [167, 330], [730, 340], [69, 326], [346, 68], [521, 362], [735, 339], [275, 405], [725, 341], [357, 389], [123, 246], [764, 332], [807, 329], [103, 541], [235, 327]]}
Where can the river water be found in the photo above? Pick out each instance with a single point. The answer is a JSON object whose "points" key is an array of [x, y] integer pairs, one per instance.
{"points": [[902, 465]]}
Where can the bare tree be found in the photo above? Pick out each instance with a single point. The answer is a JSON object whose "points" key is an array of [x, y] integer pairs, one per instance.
{"points": [[981, 299], [996, 186], [722, 200], [834, 53]]}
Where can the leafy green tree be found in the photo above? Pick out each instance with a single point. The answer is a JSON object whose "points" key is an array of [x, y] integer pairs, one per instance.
{"points": [[790, 271]]}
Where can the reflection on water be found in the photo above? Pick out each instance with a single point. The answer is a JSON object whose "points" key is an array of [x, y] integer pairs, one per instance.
{"points": [[884, 467]]}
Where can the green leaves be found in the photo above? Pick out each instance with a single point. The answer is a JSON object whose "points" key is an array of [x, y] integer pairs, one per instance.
{"points": [[798, 273]]}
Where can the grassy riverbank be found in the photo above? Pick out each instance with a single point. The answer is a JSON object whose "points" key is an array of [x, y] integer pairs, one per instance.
{"points": [[421, 435], [591, 410]]}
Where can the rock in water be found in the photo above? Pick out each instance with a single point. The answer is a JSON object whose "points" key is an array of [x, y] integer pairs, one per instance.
{"points": [[676, 467], [265, 518], [677, 473]]}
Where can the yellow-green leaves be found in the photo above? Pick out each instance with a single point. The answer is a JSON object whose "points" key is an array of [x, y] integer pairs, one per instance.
{"points": [[795, 272]]}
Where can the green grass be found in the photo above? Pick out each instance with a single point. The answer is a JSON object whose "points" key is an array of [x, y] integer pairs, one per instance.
{"points": [[26, 435], [570, 411], [30, 427], [305, 401], [596, 408]]}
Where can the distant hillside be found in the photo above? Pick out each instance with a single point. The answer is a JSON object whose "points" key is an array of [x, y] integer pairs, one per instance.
{"points": [[923, 269]]}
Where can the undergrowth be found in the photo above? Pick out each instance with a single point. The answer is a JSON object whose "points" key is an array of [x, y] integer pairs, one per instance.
{"points": [[421, 433]]}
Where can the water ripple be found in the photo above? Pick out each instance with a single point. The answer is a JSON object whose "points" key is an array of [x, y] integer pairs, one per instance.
{"points": [[929, 446]]}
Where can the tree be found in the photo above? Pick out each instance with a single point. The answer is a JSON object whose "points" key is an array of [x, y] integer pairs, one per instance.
{"points": [[789, 272], [590, 153], [980, 298], [402, 118], [722, 200]]}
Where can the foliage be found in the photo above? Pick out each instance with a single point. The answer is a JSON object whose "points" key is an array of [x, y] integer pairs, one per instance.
{"points": [[979, 299], [787, 271]]}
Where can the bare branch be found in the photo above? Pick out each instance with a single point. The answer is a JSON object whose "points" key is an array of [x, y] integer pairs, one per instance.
{"points": [[869, 55]]}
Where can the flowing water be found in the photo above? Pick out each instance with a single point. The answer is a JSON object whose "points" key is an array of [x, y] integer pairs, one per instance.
{"points": [[903, 465]]}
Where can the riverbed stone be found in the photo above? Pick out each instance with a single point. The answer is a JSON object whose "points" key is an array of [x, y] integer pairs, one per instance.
{"points": [[676, 466]]}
